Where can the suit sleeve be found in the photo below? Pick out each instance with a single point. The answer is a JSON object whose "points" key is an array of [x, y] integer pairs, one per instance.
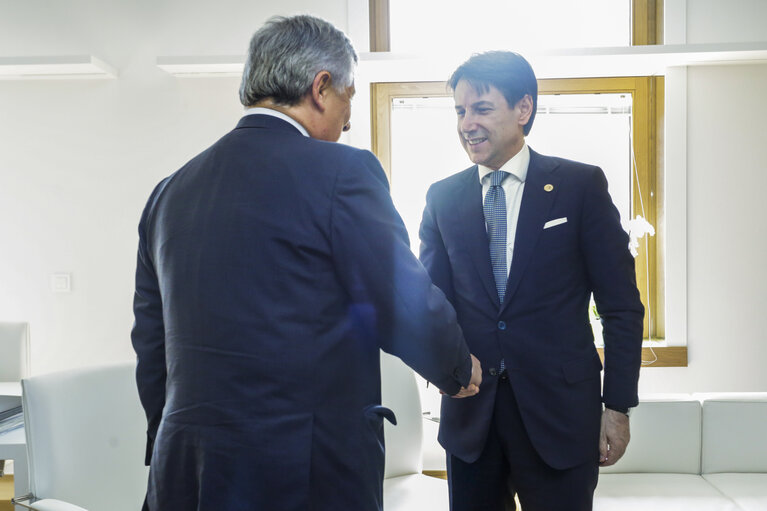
{"points": [[390, 290], [611, 274], [148, 334], [433, 254]]}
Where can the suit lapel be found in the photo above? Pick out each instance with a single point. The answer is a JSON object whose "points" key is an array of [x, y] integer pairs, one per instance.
{"points": [[474, 232], [533, 212]]}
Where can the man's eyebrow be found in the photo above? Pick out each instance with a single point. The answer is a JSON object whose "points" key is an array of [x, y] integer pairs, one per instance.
{"points": [[477, 104]]}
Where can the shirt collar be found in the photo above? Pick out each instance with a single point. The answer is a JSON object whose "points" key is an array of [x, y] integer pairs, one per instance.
{"points": [[517, 165], [279, 115]]}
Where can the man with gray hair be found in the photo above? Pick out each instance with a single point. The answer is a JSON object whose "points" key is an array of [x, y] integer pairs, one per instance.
{"points": [[272, 268]]}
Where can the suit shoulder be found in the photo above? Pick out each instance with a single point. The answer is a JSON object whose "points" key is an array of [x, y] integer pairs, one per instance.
{"points": [[324, 146], [446, 185], [552, 162], [573, 171], [559, 162], [344, 162], [338, 152]]}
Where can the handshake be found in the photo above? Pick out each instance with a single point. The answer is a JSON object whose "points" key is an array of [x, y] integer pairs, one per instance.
{"points": [[474, 383]]}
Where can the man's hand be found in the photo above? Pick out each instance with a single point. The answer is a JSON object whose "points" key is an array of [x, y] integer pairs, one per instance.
{"points": [[614, 437], [474, 383]]}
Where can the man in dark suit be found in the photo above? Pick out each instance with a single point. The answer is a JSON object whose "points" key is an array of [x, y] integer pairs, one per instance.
{"points": [[518, 242], [272, 268]]}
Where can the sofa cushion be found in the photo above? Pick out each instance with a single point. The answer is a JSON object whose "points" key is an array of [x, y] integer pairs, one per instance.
{"points": [[415, 493], [749, 491], [56, 505], [658, 492], [665, 437], [734, 437]]}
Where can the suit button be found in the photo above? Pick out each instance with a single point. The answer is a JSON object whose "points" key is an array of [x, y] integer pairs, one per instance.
{"points": [[501, 325], [493, 371]]}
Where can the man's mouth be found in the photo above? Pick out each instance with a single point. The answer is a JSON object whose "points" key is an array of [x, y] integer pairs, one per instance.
{"points": [[475, 141]]}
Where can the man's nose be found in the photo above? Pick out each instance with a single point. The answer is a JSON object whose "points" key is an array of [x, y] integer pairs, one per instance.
{"points": [[467, 124], [347, 126]]}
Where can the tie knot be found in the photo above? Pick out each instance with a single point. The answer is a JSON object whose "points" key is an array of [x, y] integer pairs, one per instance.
{"points": [[497, 177]]}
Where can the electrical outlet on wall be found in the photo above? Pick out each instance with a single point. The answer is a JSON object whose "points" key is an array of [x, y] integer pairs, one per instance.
{"points": [[61, 282]]}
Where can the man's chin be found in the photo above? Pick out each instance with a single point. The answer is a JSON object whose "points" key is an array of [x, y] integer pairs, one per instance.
{"points": [[477, 159]]}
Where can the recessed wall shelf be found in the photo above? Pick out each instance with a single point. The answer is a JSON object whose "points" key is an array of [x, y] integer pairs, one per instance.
{"points": [[54, 67], [212, 65], [649, 60], [573, 63]]}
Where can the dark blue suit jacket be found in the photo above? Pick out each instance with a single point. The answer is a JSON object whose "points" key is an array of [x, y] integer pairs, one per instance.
{"points": [[271, 270], [542, 329]]}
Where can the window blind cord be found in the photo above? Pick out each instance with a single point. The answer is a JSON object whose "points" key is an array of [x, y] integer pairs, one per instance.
{"points": [[646, 250]]}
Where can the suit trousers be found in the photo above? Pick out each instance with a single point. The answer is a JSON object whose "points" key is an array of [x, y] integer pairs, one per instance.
{"points": [[509, 465]]}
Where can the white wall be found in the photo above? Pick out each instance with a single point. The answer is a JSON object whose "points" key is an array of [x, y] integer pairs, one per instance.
{"points": [[78, 158], [726, 243], [733, 21], [726, 171]]}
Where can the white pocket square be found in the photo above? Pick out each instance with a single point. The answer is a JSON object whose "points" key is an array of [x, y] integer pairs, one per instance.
{"points": [[555, 222]]}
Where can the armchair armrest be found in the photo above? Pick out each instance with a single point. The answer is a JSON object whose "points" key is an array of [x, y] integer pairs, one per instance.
{"points": [[44, 505]]}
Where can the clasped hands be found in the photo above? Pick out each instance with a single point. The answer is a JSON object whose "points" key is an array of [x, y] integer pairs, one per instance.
{"points": [[474, 383]]}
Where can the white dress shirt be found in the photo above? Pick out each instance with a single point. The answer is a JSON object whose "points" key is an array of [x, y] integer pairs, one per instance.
{"points": [[279, 115], [513, 186]]}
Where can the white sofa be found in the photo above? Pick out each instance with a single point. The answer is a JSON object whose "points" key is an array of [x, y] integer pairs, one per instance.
{"points": [[700, 452]]}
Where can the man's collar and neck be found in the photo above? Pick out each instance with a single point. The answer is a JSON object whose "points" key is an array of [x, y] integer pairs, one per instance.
{"points": [[275, 112], [517, 165]]}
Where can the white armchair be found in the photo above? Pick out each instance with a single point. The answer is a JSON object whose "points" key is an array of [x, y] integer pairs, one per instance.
{"points": [[405, 487], [14, 345], [85, 440], [14, 365]]}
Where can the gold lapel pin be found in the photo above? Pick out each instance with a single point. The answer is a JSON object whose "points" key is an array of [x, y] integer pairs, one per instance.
{"points": [[548, 187]]}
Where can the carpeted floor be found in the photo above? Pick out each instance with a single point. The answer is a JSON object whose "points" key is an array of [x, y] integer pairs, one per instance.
{"points": [[6, 492]]}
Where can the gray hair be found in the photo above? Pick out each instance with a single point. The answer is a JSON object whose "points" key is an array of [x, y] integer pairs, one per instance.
{"points": [[287, 53]]}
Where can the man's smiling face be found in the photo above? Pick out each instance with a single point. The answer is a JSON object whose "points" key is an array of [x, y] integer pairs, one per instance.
{"points": [[490, 130]]}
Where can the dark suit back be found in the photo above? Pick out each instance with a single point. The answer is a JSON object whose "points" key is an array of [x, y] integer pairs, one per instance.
{"points": [[272, 269]]}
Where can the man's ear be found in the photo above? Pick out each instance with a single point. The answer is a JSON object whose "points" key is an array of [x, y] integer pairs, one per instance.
{"points": [[525, 109], [320, 86]]}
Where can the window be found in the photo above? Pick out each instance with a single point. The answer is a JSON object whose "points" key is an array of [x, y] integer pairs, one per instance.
{"points": [[446, 25], [520, 24]]}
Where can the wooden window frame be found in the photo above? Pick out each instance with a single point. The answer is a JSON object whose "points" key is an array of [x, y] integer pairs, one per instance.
{"points": [[646, 22], [380, 31]]}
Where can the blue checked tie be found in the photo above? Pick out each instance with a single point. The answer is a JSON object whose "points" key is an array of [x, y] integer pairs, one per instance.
{"points": [[495, 217]]}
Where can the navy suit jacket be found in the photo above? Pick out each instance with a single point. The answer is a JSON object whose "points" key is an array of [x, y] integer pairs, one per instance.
{"points": [[272, 268], [542, 328]]}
